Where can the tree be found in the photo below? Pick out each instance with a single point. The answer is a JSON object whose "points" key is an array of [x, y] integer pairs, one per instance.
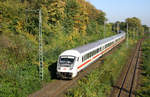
{"points": [[146, 28], [133, 22], [135, 25]]}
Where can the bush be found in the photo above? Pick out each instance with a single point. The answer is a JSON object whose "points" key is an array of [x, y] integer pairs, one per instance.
{"points": [[144, 89]]}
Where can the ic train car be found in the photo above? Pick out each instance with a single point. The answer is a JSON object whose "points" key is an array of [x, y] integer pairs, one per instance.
{"points": [[70, 62]]}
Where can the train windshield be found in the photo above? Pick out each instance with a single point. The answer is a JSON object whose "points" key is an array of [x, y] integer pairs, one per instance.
{"points": [[66, 60]]}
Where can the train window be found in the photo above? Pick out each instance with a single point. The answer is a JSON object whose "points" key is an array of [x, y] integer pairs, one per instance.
{"points": [[97, 50], [91, 54], [110, 43], [106, 45], [100, 49], [84, 57], [88, 55]]}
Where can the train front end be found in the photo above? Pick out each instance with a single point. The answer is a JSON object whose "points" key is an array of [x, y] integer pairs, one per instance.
{"points": [[66, 65]]}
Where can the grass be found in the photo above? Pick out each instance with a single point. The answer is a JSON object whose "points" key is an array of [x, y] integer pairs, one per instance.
{"points": [[144, 89], [99, 82]]}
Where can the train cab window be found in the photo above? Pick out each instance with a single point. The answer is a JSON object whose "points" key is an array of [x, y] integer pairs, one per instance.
{"points": [[66, 60]]}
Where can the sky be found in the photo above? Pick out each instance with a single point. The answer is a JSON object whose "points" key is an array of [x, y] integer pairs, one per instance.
{"points": [[119, 10]]}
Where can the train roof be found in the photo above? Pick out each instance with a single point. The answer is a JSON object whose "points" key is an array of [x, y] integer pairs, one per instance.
{"points": [[84, 48]]}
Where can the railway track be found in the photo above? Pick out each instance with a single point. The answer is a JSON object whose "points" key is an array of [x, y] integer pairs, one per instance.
{"points": [[57, 88], [126, 85]]}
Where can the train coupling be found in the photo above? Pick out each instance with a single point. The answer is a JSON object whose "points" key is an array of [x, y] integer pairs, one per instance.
{"points": [[64, 75]]}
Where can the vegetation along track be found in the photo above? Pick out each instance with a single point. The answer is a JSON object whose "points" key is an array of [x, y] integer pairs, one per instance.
{"points": [[57, 88], [127, 82]]}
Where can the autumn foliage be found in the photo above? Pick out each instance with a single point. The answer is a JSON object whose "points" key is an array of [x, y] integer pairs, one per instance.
{"points": [[65, 24]]}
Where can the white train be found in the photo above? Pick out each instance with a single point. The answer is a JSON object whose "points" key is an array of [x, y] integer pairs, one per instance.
{"points": [[70, 62]]}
